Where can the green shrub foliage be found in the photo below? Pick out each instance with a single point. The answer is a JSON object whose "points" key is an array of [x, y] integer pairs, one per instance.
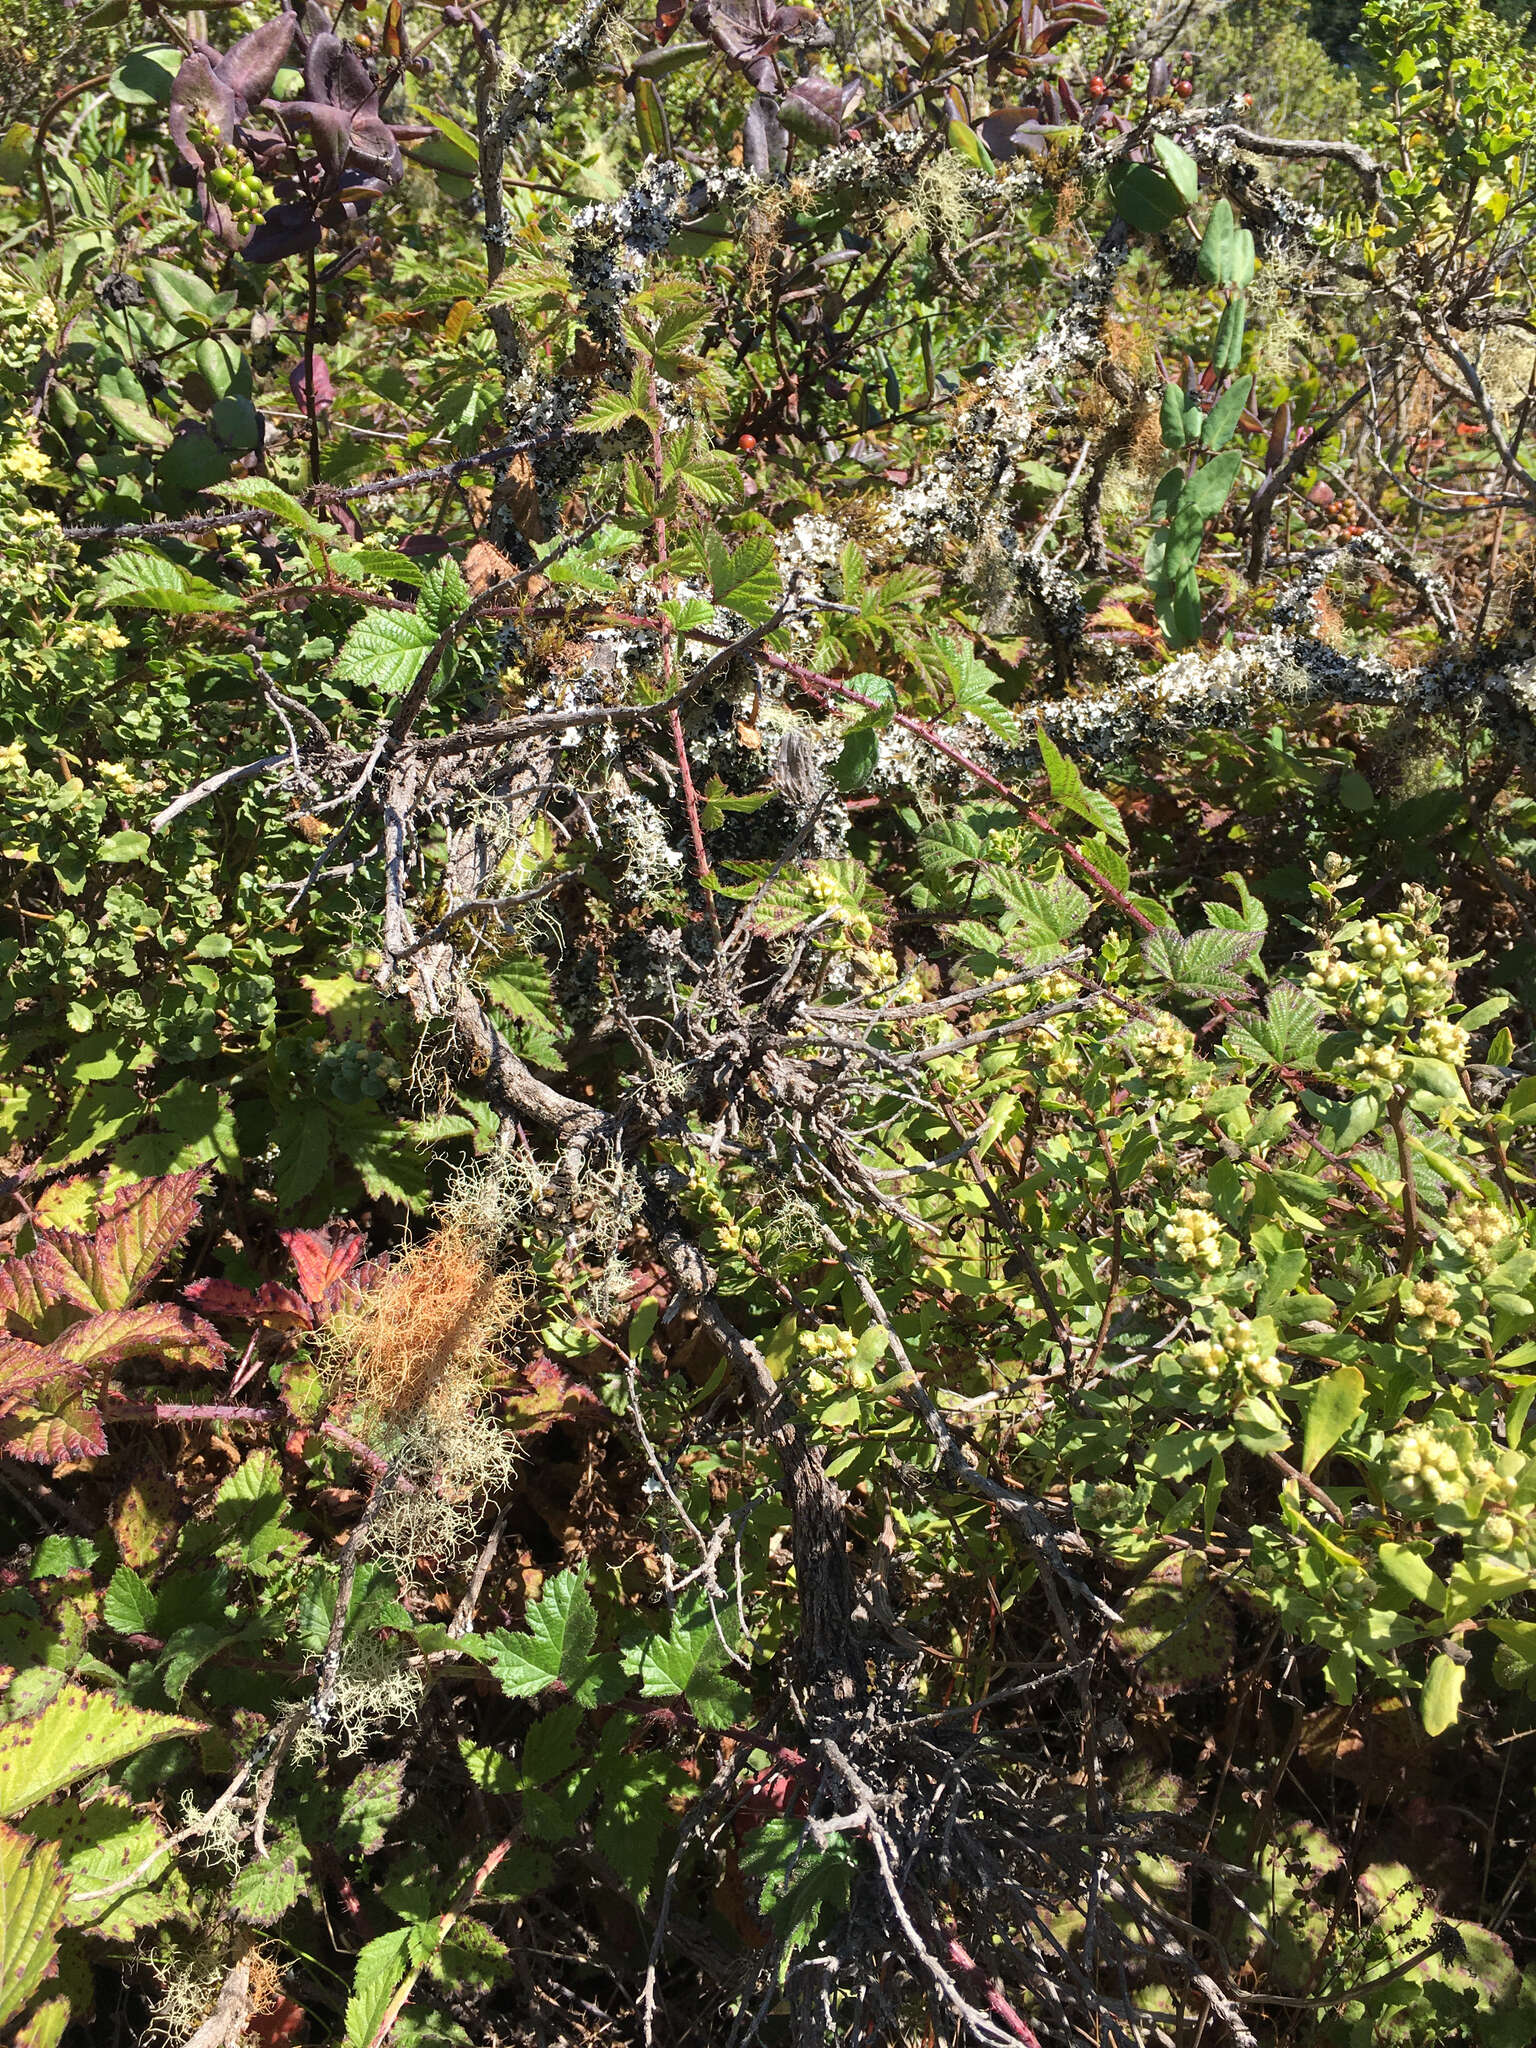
{"points": [[769, 936]]}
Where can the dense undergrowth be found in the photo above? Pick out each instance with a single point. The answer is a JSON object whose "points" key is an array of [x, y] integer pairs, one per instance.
{"points": [[769, 919]]}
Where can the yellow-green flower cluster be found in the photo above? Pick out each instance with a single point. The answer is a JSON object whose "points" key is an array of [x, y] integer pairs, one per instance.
{"points": [[1192, 1237], [1377, 1060], [1378, 958], [1428, 1305], [1238, 1350], [1439, 1039], [835, 1351], [1478, 1228], [1433, 1467]]}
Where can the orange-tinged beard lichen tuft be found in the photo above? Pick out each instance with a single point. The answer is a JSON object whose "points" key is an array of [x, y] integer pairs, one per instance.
{"points": [[423, 1339]]}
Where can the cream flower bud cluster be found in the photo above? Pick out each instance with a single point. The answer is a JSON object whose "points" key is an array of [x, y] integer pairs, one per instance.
{"points": [[828, 1341], [1441, 1040], [1377, 1061], [837, 1351], [1477, 1227], [1428, 1307], [1429, 1469], [1236, 1351], [1501, 1531], [1192, 1237], [878, 966]]}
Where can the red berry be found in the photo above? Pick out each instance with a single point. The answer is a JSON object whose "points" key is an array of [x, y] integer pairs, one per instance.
{"points": [[1097, 88], [1184, 88], [1123, 81], [746, 443]]}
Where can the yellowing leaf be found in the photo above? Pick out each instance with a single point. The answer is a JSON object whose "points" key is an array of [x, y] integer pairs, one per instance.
{"points": [[77, 1734], [1440, 1701], [31, 1909]]}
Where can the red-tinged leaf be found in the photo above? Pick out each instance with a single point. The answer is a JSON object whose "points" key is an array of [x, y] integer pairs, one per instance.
{"points": [[669, 14], [41, 1294], [162, 1331], [140, 1226], [223, 1298], [24, 1368], [273, 1306], [322, 1260], [547, 1395], [275, 2029], [54, 1427]]}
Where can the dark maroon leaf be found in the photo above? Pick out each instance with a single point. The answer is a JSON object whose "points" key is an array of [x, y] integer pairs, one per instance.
{"points": [[1279, 438], [336, 76], [249, 68], [286, 230], [298, 383], [1011, 131], [198, 97], [813, 110], [764, 145]]}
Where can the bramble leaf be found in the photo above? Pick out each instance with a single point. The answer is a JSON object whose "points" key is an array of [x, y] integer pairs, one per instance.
{"points": [[77, 1734], [556, 1646], [32, 1893]]}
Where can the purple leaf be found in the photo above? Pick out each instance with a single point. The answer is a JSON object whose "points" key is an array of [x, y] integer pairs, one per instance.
{"points": [[249, 68], [813, 110], [325, 394], [198, 97], [1011, 131], [330, 128], [763, 143], [336, 75], [286, 230]]}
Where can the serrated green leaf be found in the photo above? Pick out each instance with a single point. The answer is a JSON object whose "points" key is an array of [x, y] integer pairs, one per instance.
{"points": [[1287, 1034], [264, 1890], [1069, 790], [550, 1748], [128, 1604], [556, 1646], [442, 597], [372, 1800], [745, 579], [32, 1892], [378, 1974], [385, 650], [138, 576], [263, 495], [77, 1734]]}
